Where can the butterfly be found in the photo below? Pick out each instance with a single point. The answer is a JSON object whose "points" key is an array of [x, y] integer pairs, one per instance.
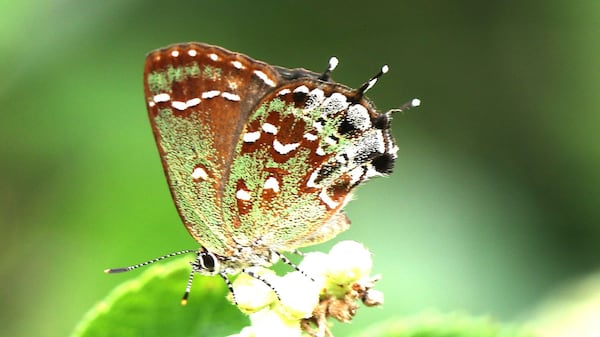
{"points": [[259, 159]]}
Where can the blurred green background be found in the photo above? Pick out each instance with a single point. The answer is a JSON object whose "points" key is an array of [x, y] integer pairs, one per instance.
{"points": [[494, 203]]}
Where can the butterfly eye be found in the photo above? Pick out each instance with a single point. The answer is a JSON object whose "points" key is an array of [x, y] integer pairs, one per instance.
{"points": [[207, 261]]}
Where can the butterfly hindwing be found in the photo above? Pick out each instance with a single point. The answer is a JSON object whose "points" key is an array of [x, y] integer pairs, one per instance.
{"points": [[305, 146]]}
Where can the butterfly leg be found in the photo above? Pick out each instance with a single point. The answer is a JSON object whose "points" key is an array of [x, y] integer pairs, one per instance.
{"points": [[263, 280], [229, 286], [287, 261]]}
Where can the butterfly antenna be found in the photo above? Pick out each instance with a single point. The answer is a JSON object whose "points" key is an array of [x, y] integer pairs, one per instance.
{"points": [[139, 265], [326, 75], [370, 83]]}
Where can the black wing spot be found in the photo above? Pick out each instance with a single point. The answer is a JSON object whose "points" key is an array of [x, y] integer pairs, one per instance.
{"points": [[346, 128]]}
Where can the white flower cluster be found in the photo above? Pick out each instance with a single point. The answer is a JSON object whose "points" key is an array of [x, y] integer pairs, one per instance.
{"points": [[330, 287]]}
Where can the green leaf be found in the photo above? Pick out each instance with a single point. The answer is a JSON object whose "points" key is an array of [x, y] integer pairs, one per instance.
{"points": [[444, 325], [149, 306]]}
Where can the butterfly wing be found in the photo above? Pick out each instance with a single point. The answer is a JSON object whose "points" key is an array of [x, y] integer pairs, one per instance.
{"points": [[199, 98], [256, 154], [304, 148]]}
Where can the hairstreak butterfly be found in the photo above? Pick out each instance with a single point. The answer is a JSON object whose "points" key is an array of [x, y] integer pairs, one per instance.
{"points": [[259, 159]]}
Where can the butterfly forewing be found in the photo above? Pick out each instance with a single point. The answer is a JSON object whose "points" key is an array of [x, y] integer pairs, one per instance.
{"points": [[198, 98]]}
